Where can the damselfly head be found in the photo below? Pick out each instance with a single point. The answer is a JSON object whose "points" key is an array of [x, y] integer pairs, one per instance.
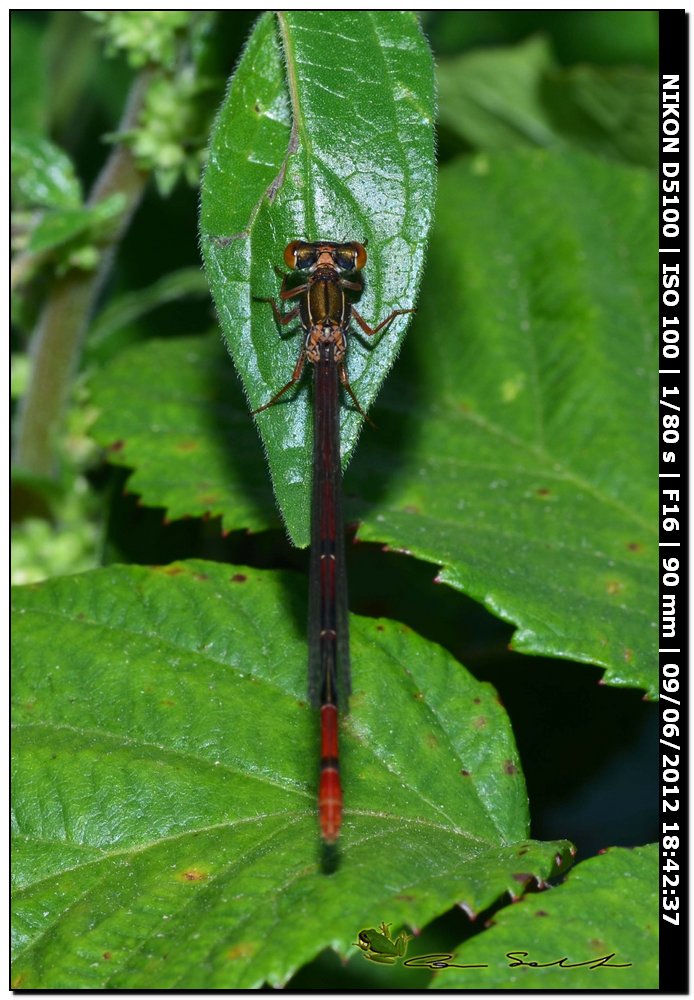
{"points": [[303, 256]]}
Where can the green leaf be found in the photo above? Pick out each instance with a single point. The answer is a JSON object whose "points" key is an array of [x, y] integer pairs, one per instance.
{"points": [[496, 99], [174, 411], [528, 470], [42, 174], [492, 97], [64, 225], [607, 906], [352, 159], [611, 112], [165, 777]]}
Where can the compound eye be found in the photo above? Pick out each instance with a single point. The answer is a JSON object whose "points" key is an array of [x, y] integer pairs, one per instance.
{"points": [[359, 256], [290, 253]]}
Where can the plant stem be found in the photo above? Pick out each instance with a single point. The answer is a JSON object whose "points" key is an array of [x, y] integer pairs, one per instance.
{"points": [[57, 340]]}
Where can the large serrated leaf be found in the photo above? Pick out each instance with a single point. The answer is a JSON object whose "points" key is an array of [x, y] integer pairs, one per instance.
{"points": [[165, 781], [328, 135], [603, 922], [530, 474], [173, 411]]}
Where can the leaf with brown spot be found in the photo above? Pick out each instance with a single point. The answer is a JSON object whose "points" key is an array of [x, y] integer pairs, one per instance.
{"points": [[147, 765], [193, 875]]}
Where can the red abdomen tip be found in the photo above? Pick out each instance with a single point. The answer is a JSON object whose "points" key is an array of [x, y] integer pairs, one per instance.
{"points": [[330, 804], [329, 789]]}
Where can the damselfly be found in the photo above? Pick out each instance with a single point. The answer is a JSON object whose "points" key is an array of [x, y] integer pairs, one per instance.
{"points": [[325, 311]]}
